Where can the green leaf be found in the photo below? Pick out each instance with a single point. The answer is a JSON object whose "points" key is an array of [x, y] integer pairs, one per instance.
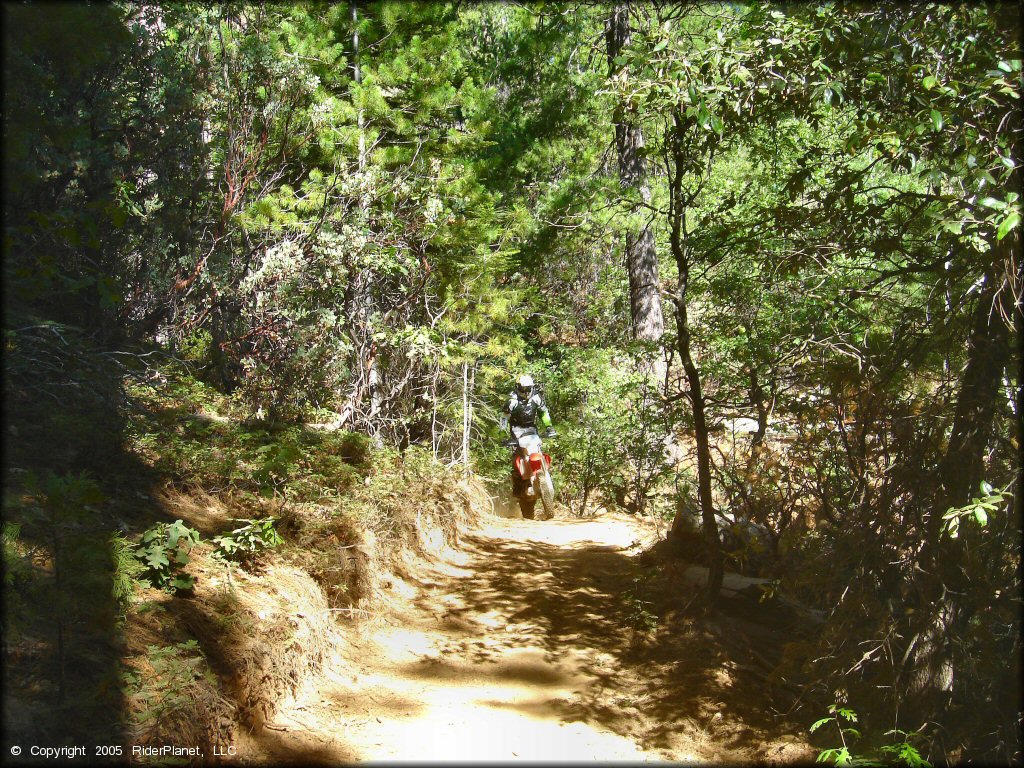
{"points": [[981, 516], [937, 119], [929, 82], [818, 723], [157, 560], [1007, 224], [847, 714]]}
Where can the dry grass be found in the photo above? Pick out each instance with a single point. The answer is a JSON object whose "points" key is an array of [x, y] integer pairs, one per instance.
{"points": [[261, 636], [350, 552], [210, 513], [333, 550], [172, 695]]}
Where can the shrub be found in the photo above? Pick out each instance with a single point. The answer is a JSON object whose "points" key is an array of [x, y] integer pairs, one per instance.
{"points": [[164, 551], [244, 545]]}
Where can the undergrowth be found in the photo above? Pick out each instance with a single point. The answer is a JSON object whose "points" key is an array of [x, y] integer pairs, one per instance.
{"points": [[191, 432], [131, 485]]}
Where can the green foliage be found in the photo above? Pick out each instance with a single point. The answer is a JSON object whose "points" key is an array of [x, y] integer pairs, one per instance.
{"points": [[302, 463], [65, 498], [246, 543], [59, 593], [842, 182], [196, 346], [16, 564], [126, 570], [57, 514], [612, 424], [641, 618], [164, 552], [168, 685], [989, 501], [901, 752]]}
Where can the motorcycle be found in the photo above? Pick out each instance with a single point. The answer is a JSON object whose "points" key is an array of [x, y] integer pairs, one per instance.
{"points": [[531, 474]]}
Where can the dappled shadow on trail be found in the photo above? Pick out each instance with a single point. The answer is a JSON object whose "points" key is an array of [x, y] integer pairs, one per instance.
{"points": [[292, 748], [557, 613]]}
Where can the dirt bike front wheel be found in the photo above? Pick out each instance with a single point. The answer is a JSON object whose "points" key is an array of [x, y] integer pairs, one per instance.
{"points": [[547, 492]]}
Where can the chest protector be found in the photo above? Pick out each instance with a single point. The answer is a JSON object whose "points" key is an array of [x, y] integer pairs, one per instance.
{"points": [[524, 412]]}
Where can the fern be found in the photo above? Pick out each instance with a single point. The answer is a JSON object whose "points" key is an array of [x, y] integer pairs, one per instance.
{"points": [[126, 569]]}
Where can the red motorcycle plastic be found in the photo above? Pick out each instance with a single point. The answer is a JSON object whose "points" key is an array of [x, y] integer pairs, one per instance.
{"points": [[533, 472]]}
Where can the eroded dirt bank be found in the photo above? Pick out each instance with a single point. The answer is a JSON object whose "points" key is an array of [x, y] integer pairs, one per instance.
{"points": [[520, 645]]}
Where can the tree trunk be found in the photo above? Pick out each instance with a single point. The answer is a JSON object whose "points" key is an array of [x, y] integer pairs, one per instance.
{"points": [[701, 437], [757, 395], [988, 348], [365, 301], [641, 259], [694, 389], [468, 374], [961, 471], [1017, 277], [219, 363]]}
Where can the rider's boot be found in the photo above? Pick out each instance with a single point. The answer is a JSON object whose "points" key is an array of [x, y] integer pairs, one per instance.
{"points": [[519, 485]]}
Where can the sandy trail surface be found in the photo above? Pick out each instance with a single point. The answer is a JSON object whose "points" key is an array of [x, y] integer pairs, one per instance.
{"points": [[517, 646]]}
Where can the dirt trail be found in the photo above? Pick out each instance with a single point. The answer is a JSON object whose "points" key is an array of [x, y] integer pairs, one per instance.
{"points": [[517, 646]]}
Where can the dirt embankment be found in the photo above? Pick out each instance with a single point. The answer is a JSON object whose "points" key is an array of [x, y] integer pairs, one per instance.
{"points": [[530, 640]]}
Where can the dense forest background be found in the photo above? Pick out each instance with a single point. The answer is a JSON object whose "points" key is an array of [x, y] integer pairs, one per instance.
{"points": [[764, 260]]}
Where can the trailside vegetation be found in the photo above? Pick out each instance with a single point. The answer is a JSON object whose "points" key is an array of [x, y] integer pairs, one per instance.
{"points": [[764, 259]]}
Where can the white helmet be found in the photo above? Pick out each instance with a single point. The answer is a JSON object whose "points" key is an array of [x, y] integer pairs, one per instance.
{"points": [[524, 386]]}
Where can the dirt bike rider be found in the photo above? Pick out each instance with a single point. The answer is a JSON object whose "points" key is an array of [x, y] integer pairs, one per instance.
{"points": [[525, 404]]}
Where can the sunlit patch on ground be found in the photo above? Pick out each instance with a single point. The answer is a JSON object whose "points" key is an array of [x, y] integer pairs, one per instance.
{"points": [[517, 647]]}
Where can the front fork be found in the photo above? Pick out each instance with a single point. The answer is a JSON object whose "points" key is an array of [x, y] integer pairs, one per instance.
{"points": [[527, 479]]}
